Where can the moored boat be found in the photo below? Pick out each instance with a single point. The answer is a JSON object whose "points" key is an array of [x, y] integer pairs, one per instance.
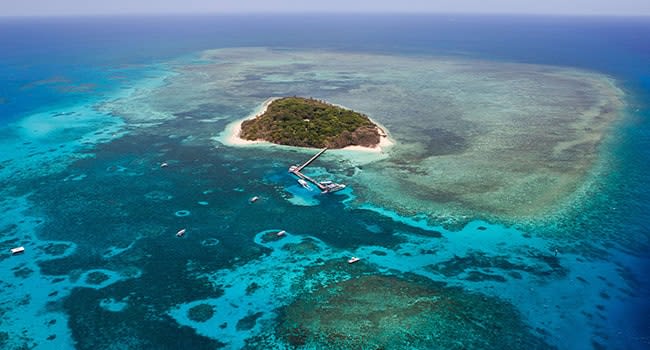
{"points": [[304, 184], [329, 186], [353, 259], [324, 186], [17, 250]]}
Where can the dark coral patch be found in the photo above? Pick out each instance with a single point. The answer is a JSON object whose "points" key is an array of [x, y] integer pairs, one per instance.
{"points": [[201, 313], [247, 323], [96, 277], [389, 312]]}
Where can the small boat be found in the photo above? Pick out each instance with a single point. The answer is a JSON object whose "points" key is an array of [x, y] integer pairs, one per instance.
{"points": [[329, 186], [17, 250], [304, 184], [254, 199], [281, 233], [181, 233], [353, 259], [164, 165]]}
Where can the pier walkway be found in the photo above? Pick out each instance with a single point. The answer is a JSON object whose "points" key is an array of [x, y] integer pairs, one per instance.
{"points": [[325, 186]]}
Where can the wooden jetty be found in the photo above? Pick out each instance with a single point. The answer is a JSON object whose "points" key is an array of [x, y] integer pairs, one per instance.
{"points": [[325, 186]]}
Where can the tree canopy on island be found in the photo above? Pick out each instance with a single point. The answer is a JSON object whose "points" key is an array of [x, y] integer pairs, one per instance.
{"points": [[307, 122]]}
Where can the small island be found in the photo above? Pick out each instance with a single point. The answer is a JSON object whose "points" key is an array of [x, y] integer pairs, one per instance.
{"points": [[308, 122]]}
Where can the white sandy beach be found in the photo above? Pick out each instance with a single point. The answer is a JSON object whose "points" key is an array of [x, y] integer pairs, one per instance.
{"points": [[384, 142], [231, 135]]}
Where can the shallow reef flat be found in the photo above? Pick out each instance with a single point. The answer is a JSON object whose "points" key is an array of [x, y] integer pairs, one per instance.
{"points": [[501, 139], [390, 312]]}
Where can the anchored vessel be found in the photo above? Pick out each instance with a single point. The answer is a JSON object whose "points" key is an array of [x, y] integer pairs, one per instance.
{"points": [[17, 250], [324, 186], [304, 184]]}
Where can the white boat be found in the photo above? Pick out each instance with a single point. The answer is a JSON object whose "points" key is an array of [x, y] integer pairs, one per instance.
{"points": [[353, 259], [325, 186], [164, 165], [304, 184], [330, 186], [281, 233], [181, 233], [17, 250], [254, 199]]}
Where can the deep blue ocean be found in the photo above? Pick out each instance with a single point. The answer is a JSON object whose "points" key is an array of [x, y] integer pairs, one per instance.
{"points": [[49, 64]]}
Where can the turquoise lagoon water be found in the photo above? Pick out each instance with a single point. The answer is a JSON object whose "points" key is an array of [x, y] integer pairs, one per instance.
{"points": [[90, 108]]}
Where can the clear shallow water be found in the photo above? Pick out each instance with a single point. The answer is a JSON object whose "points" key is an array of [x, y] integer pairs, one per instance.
{"points": [[84, 192]]}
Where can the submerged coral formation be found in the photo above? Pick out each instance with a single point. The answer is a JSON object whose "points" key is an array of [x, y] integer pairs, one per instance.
{"points": [[388, 312], [471, 137], [201, 313], [103, 268]]}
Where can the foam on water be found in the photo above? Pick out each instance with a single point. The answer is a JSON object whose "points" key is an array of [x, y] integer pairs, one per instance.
{"points": [[114, 251], [303, 197]]}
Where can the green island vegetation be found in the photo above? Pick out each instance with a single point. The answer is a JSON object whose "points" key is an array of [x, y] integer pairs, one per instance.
{"points": [[308, 122]]}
